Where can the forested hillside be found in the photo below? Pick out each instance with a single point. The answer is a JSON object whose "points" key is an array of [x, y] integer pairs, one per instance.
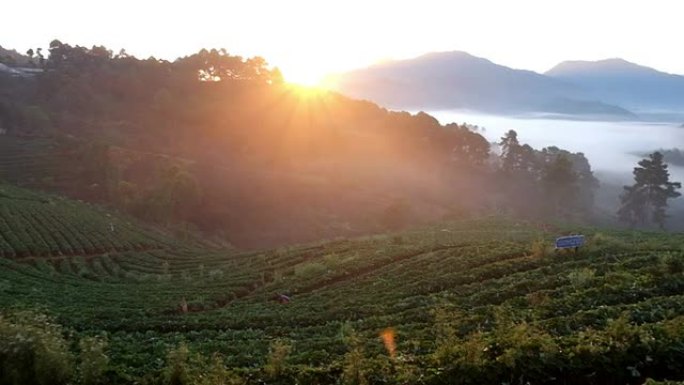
{"points": [[218, 143]]}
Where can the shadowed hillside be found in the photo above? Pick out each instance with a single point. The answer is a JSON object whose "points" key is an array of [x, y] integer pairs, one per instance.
{"points": [[218, 144]]}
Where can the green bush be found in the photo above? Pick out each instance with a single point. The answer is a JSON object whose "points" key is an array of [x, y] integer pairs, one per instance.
{"points": [[33, 350], [218, 374], [277, 358], [310, 270], [177, 367], [93, 360]]}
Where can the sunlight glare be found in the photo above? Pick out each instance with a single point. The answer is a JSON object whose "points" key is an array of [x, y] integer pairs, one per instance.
{"points": [[309, 78], [304, 77]]}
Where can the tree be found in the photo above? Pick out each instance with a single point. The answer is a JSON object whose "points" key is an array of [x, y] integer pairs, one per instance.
{"points": [[467, 147], [649, 194], [510, 148], [516, 158], [560, 183], [570, 179]]}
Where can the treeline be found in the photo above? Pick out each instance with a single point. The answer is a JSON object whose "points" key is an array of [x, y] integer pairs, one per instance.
{"points": [[548, 183], [221, 143]]}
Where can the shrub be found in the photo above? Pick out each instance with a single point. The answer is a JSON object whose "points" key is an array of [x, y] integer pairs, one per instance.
{"points": [[176, 371], [310, 270], [217, 373], [581, 278], [93, 360], [673, 264], [277, 358], [539, 248], [33, 350], [354, 370]]}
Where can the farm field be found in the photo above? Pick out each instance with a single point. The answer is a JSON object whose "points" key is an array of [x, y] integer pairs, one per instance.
{"points": [[476, 301]]}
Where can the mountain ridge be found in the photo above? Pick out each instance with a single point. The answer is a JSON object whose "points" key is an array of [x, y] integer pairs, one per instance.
{"points": [[613, 88], [457, 79], [636, 87]]}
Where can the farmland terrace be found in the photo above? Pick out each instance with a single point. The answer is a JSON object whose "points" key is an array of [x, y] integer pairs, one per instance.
{"points": [[477, 301]]}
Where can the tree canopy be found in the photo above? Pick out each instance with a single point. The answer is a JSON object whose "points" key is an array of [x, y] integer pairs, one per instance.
{"points": [[646, 200]]}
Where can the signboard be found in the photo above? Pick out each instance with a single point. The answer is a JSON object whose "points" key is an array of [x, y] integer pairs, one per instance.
{"points": [[570, 241]]}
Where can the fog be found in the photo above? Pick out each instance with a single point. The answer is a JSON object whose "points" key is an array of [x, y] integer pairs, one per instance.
{"points": [[611, 147]]}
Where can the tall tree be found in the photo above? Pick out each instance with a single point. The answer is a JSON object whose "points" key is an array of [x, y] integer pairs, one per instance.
{"points": [[515, 157], [576, 176], [510, 150], [649, 194], [560, 182]]}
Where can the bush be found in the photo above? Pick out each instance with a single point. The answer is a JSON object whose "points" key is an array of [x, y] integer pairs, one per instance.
{"points": [[33, 350], [310, 270], [93, 360], [539, 249], [673, 264], [354, 365], [217, 373], [277, 358], [176, 371], [581, 278]]}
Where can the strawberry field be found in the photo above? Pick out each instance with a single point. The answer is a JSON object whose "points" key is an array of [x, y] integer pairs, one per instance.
{"points": [[481, 301]]}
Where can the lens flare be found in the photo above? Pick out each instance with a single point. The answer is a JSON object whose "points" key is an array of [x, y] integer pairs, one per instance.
{"points": [[387, 337]]}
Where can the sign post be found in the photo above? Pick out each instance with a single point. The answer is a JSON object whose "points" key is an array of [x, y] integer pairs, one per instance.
{"points": [[570, 242]]}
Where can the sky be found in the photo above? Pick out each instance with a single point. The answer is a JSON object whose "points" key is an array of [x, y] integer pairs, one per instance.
{"points": [[308, 39]]}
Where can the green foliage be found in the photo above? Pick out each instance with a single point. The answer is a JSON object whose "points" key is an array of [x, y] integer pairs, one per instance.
{"points": [[646, 200], [93, 361], [217, 374], [276, 361], [33, 350], [354, 371], [604, 241], [673, 263], [540, 248], [548, 183], [581, 278], [651, 381], [468, 302], [177, 370], [308, 270]]}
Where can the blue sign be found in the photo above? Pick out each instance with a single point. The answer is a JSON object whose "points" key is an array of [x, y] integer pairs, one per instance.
{"points": [[571, 241]]}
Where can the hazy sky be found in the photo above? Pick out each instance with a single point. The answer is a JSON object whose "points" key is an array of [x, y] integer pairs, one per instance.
{"points": [[308, 39]]}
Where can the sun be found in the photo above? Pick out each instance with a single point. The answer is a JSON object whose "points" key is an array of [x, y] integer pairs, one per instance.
{"points": [[309, 78], [304, 78]]}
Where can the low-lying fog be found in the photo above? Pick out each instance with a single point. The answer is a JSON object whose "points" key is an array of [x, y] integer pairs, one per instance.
{"points": [[611, 147]]}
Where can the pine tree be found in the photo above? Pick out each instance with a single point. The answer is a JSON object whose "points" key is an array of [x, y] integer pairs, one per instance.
{"points": [[510, 150], [649, 194]]}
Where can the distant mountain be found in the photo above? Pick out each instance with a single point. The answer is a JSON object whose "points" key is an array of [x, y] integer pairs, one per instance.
{"points": [[616, 81], [458, 80]]}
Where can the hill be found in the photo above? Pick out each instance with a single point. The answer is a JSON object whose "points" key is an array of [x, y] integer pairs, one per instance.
{"points": [[36, 225], [617, 81], [458, 80], [479, 301], [220, 143]]}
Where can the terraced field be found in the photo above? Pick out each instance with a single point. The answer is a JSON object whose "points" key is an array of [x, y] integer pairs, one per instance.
{"points": [[481, 301], [29, 162]]}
